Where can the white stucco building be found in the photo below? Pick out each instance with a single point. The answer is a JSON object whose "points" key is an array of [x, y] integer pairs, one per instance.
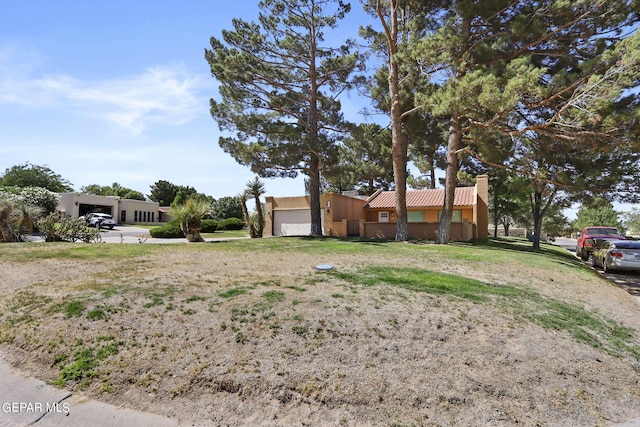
{"points": [[124, 211]]}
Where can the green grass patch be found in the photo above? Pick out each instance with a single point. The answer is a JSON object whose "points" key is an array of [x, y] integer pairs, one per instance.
{"points": [[82, 366], [97, 314], [156, 299], [596, 331], [74, 251], [226, 234], [72, 308], [300, 329], [273, 296], [233, 292], [419, 280], [584, 326]]}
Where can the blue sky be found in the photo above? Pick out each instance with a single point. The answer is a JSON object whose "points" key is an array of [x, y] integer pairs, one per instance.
{"points": [[119, 91]]}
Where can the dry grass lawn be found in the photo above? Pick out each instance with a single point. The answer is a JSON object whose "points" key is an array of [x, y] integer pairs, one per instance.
{"points": [[250, 333]]}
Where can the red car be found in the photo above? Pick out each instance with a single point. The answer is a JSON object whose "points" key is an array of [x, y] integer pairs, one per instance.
{"points": [[587, 237]]}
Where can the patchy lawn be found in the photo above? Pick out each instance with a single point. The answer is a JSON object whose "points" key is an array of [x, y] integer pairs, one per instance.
{"points": [[250, 333]]}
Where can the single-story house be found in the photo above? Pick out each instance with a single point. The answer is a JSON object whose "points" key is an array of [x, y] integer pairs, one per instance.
{"points": [[375, 216], [124, 211]]}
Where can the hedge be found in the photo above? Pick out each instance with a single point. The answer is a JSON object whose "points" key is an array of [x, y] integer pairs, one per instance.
{"points": [[231, 224], [169, 230]]}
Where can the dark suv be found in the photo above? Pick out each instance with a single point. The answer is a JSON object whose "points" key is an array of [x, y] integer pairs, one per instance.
{"points": [[587, 239]]}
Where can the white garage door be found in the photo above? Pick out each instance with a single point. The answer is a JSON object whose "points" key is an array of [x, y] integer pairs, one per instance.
{"points": [[292, 222]]}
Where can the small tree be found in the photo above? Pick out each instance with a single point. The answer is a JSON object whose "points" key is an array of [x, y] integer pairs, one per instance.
{"points": [[256, 189], [190, 215], [632, 221], [242, 198], [600, 212], [227, 207]]}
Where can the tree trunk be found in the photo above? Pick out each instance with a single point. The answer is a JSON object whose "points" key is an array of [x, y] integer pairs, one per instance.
{"points": [[496, 214], [400, 183], [314, 167], [432, 172], [314, 193], [399, 141], [506, 225], [260, 228], [247, 220], [192, 234], [451, 180], [537, 213]]}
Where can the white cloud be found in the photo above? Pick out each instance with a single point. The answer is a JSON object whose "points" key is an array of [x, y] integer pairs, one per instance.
{"points": [[165, 95], [161, 94]]}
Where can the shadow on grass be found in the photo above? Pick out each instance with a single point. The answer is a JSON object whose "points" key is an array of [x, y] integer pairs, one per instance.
{"points": [[364, 241], [522, 245]]}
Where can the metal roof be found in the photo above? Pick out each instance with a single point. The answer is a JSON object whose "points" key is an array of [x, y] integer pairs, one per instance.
{"points": [[464, 196]]}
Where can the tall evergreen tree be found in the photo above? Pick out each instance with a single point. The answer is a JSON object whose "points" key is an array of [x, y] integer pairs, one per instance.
{"points": [[279, 87], [541, 72], [364, 162], [401, 20], [394, 87]]}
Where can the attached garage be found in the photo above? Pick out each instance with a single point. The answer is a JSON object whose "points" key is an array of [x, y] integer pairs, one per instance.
{"points": [[292, 222], [290, 216]]}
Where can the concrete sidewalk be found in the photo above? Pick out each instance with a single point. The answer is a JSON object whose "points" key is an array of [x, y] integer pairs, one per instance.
{"points": [[27, 401]]}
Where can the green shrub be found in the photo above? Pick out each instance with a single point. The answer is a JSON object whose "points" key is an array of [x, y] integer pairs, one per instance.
{"points": [[169, 230], [231, 224], [209, 226], [55, 229]]}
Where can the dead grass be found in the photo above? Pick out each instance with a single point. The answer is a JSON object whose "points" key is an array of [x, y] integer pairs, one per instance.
{"points": [[249, 333]]}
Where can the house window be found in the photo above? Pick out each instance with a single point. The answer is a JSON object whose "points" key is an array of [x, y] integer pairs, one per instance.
{"points": [[415, 216], [456, 215], [135, 216], [123, 216], [383, 216], [153, 215]]}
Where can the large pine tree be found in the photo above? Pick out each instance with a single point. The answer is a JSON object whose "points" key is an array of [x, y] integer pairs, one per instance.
{"points": [[534, 70], [279, 89]]}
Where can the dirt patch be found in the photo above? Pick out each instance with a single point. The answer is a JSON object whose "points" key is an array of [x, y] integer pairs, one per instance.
{"points": [[210, 339]]}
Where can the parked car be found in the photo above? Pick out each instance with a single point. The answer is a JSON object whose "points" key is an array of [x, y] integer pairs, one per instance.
{"points": [[617, 255], [100, 220], [587, 237]]}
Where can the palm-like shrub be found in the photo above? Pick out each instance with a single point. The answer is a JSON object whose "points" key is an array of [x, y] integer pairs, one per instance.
{"points": [[242, 198], [190, 215], [16, 217], [256, 189]]}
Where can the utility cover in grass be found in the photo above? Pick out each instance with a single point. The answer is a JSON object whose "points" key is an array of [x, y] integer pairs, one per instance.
{"points": [[324, 267]]}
